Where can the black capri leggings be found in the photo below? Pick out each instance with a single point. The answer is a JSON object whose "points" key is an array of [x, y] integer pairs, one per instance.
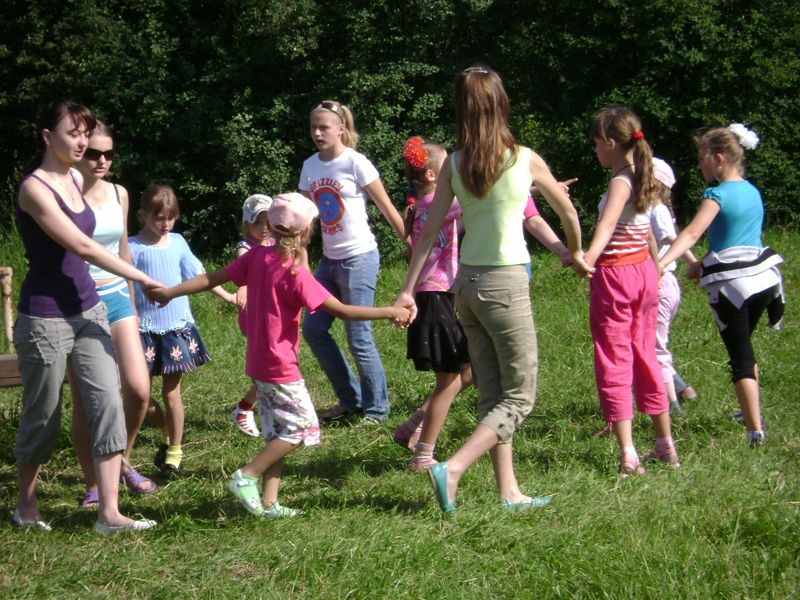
{"points": [[736, 326]]}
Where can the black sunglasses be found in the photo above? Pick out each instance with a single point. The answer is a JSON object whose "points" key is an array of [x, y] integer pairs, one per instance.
{"points": [[95, 154]]}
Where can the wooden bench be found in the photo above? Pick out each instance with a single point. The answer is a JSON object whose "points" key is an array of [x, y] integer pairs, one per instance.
{"points": [[9, 365], [9, 371]]}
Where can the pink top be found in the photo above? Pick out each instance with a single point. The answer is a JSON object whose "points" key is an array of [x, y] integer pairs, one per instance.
{"points": [[439, 271], [276, 295], [530, 209]]}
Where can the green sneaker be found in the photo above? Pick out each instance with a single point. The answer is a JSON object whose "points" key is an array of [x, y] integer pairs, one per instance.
{"points": [[276, 511], [245, 488]]}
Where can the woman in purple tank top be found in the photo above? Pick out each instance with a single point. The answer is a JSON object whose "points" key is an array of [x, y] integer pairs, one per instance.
{"points": [[61, 320]]}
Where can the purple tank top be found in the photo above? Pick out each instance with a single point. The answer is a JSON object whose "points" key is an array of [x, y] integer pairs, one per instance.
{"points": [[58, 282]]}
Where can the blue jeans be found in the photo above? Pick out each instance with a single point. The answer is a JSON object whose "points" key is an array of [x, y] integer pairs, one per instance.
{"points": [[352, 281]]}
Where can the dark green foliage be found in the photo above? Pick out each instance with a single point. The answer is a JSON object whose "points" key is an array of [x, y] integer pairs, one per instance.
{"points": [[213, 97]]}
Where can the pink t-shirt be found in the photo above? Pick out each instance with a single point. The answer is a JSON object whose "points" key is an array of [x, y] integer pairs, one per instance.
{"points": [[439, 271], [276, 296], [530, 209]]}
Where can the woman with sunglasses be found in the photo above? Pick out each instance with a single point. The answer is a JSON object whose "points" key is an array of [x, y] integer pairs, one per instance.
{"points": [[340, 180], [109, 203]]}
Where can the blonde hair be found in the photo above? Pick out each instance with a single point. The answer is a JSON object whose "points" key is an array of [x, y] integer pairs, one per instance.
{"points": [[482, 133], [722, 140], [664, 194], [620, 124], [350, 135], [157, 198], [289, 244]]}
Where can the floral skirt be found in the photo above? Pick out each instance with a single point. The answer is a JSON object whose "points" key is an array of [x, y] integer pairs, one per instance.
{"points": [[177, 351]]}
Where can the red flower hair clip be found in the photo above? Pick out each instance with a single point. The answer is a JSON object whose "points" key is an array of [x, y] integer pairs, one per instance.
{"points": [[414, 152]]}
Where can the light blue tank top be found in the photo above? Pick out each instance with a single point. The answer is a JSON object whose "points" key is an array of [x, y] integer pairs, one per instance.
{"points": [[107, 231]]}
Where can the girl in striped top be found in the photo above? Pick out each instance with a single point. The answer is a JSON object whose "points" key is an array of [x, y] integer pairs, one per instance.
{"points": [[623, 298]]}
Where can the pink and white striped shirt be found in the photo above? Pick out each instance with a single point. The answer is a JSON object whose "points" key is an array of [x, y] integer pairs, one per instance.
{"points": [[629, 242]]}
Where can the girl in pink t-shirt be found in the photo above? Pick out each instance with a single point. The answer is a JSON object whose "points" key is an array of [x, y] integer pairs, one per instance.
{"points": [[279, 287], [436, 341]]}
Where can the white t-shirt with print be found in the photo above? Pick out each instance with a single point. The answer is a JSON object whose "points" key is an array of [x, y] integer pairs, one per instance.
{"points": [[337, 188]]}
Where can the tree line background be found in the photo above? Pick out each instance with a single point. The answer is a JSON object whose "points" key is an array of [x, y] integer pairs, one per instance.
{"points": [[213, 97]]}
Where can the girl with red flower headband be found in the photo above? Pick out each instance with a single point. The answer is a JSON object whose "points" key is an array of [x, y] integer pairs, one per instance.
{"points": [[623, 297], [436, 341]]}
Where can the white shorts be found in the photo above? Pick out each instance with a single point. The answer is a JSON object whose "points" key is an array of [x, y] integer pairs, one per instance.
{"points": [[287, 413]]}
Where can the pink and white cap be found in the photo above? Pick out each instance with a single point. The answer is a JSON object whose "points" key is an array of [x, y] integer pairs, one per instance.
{"points": [[663, 172], [291, 212]]}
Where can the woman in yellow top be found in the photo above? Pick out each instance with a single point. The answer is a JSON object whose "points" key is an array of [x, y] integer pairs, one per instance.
{"points": [[491, 176]]}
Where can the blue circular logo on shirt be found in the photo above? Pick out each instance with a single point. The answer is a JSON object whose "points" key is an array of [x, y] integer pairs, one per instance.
{"points": [[331, 208]]}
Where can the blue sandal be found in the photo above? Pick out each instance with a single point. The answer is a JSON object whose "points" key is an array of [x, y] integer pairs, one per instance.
{"points": [[438, 475], [526, 504]]}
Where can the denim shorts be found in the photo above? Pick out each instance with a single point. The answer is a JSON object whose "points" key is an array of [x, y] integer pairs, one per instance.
{"points": [[117, 298]]}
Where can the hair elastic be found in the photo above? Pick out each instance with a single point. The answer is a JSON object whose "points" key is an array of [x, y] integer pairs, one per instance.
{"points": [[637, 135]]}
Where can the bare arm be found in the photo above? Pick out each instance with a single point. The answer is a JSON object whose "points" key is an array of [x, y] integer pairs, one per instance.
{"points": [[541, 230], [241, 293], [35, 200], [347, 312], [381, 199], [224, 294], [564, 186], [618, 194], [557, 199], [691, 233], [199, 283], [124, 249]]}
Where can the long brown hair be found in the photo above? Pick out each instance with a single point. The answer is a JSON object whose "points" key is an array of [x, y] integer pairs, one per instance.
{"points": [[482, 133], [624, 127]]}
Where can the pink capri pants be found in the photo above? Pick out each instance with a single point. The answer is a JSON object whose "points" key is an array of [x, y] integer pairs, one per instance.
{"points": [[623, 308]]}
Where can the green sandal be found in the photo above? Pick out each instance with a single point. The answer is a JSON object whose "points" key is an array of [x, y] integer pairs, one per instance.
{"points": [[245, 488], [276, 511]]}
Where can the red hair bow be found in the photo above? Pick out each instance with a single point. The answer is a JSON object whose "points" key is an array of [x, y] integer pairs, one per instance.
{"points": [[414, 152]]}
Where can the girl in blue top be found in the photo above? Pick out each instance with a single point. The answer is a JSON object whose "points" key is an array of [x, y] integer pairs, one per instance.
{"points": [[172, 344], [739, 274]]}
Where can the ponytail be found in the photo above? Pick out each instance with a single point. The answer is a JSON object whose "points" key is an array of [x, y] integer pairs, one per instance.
{"points": [[644, 188], [624, 127]]}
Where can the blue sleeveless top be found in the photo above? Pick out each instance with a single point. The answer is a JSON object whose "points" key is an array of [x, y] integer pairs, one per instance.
{"points": [[57, 283]]}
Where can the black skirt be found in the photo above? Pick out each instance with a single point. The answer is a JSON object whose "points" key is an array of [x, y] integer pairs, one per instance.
{"points": [[436, 341]]}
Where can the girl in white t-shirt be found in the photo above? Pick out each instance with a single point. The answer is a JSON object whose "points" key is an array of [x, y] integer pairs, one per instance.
{"points": [[340, 180]]}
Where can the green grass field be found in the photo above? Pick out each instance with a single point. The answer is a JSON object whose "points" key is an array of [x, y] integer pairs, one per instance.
{"points": [[726, 525]]}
